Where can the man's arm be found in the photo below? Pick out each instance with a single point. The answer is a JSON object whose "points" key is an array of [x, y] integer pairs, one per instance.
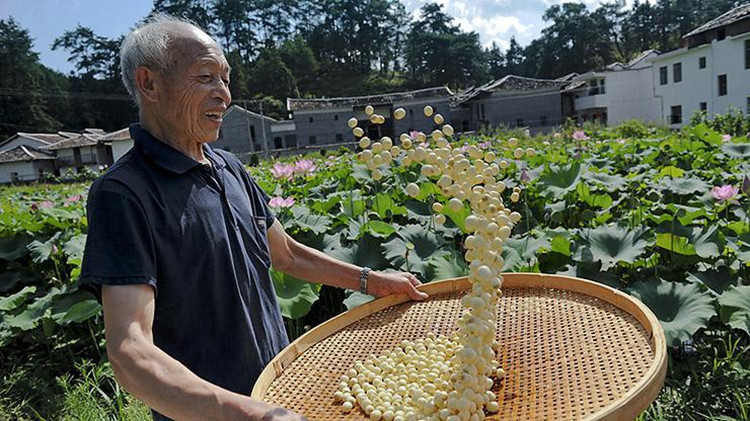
{"points": [[298, 260], [159, 380]]}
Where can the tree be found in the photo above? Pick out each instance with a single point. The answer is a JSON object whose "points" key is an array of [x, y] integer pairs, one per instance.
{"points": [[438, 53], [300, 59], [496, 62], [197, 11], [94, 56], [269, 76], [22, 97]]}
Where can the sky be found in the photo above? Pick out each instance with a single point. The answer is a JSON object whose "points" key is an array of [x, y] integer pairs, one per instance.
{"points": [[495, 20]]}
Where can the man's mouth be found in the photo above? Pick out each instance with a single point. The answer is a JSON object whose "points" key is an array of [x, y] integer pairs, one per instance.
{"points": [[214, 116]]}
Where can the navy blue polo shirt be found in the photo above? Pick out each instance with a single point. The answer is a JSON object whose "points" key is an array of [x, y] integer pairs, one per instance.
{"points": [[197, 235]]}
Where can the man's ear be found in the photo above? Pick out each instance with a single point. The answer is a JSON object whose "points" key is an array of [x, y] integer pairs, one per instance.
{"points": [[148, 83]]}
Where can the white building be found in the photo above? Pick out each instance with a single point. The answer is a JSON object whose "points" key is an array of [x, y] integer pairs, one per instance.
{"points": [[710, 72], [120, 141], [24, 164], [84, 150], [616, 93]]}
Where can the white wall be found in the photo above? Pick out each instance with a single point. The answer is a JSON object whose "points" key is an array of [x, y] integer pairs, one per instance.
{"points": [[120, 148], [631, 95], [25, 170], [701, 85]]}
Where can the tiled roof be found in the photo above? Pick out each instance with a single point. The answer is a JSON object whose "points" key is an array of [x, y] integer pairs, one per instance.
{"points": [[511, 83], [24, 153], [122, 134], [295, 104], [237, 107], [737, 14], [48, 138], [74, 142]]}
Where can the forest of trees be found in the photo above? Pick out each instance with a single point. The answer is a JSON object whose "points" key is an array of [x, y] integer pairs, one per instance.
{"points": [[299, 48]]}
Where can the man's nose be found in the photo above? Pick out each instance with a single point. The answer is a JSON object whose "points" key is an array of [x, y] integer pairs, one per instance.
{"points": [[221, 91]]}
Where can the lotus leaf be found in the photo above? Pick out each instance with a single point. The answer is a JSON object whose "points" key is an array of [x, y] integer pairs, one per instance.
{"points": [[295, 297], [681, 309], [610, 244], [735, 307]]}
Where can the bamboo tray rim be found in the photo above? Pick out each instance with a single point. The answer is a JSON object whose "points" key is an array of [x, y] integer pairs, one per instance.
{"points": [[637, 399]]}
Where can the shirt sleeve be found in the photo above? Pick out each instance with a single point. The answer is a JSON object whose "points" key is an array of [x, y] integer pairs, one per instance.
{"points": [[119, 246]]}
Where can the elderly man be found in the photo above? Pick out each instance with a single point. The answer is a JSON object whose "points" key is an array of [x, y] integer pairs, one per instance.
{"points": [[181, 239]]}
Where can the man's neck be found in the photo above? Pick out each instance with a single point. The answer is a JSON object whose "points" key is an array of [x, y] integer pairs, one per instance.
{"points": [[163, 133]]}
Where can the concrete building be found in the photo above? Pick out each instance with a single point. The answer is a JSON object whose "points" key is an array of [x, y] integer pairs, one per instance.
{"points": [[710, 72], [25, 164], [322, 122], [512, 101], [616, 93], [84, 150]]}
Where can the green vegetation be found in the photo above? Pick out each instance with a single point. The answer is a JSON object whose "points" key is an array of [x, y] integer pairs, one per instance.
{"points": [[660, 215]]}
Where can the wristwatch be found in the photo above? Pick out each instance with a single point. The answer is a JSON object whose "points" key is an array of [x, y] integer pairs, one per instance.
{"points": [[363, 279]]}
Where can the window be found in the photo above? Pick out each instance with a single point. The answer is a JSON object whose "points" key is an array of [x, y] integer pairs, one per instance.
{"points": [[543, 120], [278, 143], [747, 110], [519, 122], [593, 87], [311, 119], [663, 75], [675, 116], [312, 140], [703, 106], [335, 117], [677, 72], [339, 138], [483, 115], [702, 63], [722, 85], [747, 54], [722, 34], [601, 87], [252, 132]]}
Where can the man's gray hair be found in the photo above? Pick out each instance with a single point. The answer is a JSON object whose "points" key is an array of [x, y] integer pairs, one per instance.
{"points": [[148, 45]]}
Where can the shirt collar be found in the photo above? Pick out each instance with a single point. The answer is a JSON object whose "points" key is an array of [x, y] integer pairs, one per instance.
{"points": [[166, 156]]}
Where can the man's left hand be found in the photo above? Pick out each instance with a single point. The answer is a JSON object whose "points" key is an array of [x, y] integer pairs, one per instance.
{"points": [[381, 284]]}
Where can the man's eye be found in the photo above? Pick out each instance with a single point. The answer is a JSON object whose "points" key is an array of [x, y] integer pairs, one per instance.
{"points": [[205, 78], [226, 81]]}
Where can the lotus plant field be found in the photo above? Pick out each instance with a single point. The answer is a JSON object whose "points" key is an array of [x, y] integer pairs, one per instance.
{"points": [[664, 216]]}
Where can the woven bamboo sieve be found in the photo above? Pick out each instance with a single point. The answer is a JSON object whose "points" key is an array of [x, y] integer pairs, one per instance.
{"points": [[571, 349]]}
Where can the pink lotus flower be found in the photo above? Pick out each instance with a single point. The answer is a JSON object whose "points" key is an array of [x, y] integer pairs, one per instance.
{"points": [[726, 138], [282, 171], [73, 199], [579, 135], [304, 166], [280, 202], [47, 204], [725, 193], [413, 134], [484, 145]]}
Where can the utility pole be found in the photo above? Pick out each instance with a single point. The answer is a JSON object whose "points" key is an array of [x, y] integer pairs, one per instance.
{"points": [[263, 128]]}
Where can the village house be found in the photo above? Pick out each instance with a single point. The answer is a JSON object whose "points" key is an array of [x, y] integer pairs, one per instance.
{"points": [[34, 140], [322, 122], [79, 151], [245, 132], [513, 101], [616, 93], [711, 72], [22, 164]]}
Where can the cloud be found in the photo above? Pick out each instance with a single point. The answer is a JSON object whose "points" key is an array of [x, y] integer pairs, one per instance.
{"points": [[496, 29]]}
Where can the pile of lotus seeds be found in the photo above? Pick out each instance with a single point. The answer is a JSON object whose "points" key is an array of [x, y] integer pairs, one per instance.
{"points": [[442, 378]]}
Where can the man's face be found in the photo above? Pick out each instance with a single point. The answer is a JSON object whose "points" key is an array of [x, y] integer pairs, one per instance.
{"points": [[196, 92]]}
